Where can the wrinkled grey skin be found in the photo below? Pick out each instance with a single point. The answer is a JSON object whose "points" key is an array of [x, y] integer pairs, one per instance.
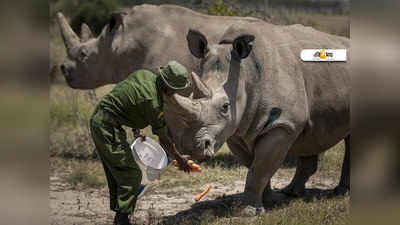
{"points": [[257, 94], [148, 36]]}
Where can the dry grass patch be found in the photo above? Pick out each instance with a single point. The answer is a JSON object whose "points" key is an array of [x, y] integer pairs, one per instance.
{"points": [[223, 168], [70, 111], [331, 164], [82, 177], [79, 174]]}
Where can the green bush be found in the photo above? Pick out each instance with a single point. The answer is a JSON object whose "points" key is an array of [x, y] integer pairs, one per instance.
{"points": [[93, 12], [219, 8]]}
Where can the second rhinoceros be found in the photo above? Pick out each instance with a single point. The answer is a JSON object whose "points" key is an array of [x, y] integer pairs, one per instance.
{"points": [[258, 95], [146, 37]]}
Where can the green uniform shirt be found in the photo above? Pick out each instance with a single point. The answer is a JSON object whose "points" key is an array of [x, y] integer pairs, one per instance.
{"points": [[136, 102]]}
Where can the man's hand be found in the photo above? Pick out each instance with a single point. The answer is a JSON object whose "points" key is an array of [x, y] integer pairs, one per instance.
{"points": [[183, 164], [169, 146], [137, 133]]}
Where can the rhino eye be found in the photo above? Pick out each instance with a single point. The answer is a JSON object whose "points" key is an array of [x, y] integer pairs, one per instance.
{"points": [[225, 108]]}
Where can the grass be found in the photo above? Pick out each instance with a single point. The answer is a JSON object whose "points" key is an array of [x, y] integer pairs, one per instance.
{"points": [[331, 163], [79, 174], [82, 177], [72, 107], [84, 174], [324, 211], [317, 209], [215, 171], [223, 168], [70, 112]]}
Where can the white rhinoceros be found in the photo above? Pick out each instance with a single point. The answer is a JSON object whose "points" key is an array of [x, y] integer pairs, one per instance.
{"points": [[146, 37], [258, 95]]}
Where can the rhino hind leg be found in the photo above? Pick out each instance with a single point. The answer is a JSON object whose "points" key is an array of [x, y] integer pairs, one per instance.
{"points": [[306, 167], [344, 184]]}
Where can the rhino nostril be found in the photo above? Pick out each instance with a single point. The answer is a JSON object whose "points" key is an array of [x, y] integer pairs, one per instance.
{"points": [[62, 68], [207, 144]]}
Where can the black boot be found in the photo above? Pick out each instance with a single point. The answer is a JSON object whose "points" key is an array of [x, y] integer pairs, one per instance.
{"points": [[121, 219]]}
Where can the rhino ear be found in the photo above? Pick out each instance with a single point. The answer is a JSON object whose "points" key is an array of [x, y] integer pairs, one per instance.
{"points": [[197, 43], [116, 20], [242, 45], [86, 33]]}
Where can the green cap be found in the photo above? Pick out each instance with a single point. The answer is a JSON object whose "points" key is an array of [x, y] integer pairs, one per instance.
{"points": [[175, 75]]}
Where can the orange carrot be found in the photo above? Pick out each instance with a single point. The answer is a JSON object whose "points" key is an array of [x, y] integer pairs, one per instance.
{"points": [[201, 195], [193, 166], [196, 167]]}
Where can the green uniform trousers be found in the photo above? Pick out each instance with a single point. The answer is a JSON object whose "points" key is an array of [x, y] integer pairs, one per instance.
{"points": [[123, 174]]}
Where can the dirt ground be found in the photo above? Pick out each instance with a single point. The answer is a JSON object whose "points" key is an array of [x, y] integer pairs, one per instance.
{"points": [[159, 205]]}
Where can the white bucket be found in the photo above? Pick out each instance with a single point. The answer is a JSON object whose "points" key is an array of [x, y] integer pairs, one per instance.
{"points": [[150, 157]]}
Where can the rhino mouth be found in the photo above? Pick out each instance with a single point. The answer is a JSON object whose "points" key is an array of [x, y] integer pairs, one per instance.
{"points": [[71, 81], [67, 73]]}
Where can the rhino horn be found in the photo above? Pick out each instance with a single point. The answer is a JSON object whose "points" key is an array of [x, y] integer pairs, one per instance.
{"points": [[71, 40], [86, 33], [184, 106], [200, 90]]}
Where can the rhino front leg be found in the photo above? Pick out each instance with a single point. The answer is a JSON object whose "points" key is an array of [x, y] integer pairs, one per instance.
{"points": [[238, 148], [270, 151], [306, 167], [344, 184]]}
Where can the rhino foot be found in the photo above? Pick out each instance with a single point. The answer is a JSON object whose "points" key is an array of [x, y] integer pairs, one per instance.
{"points": [[247, 208], [294, 190], [250, 211]]}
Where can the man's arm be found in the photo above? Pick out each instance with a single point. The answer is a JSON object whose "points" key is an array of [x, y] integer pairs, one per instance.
{"points": [[169, 146]]}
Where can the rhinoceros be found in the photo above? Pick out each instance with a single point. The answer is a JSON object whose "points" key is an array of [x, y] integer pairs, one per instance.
{"points": [[146, 37], [255, 93]]}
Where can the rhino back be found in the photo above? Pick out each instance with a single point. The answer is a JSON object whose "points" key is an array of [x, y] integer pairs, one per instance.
{"points": [[327, 88], [161, 31]]}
